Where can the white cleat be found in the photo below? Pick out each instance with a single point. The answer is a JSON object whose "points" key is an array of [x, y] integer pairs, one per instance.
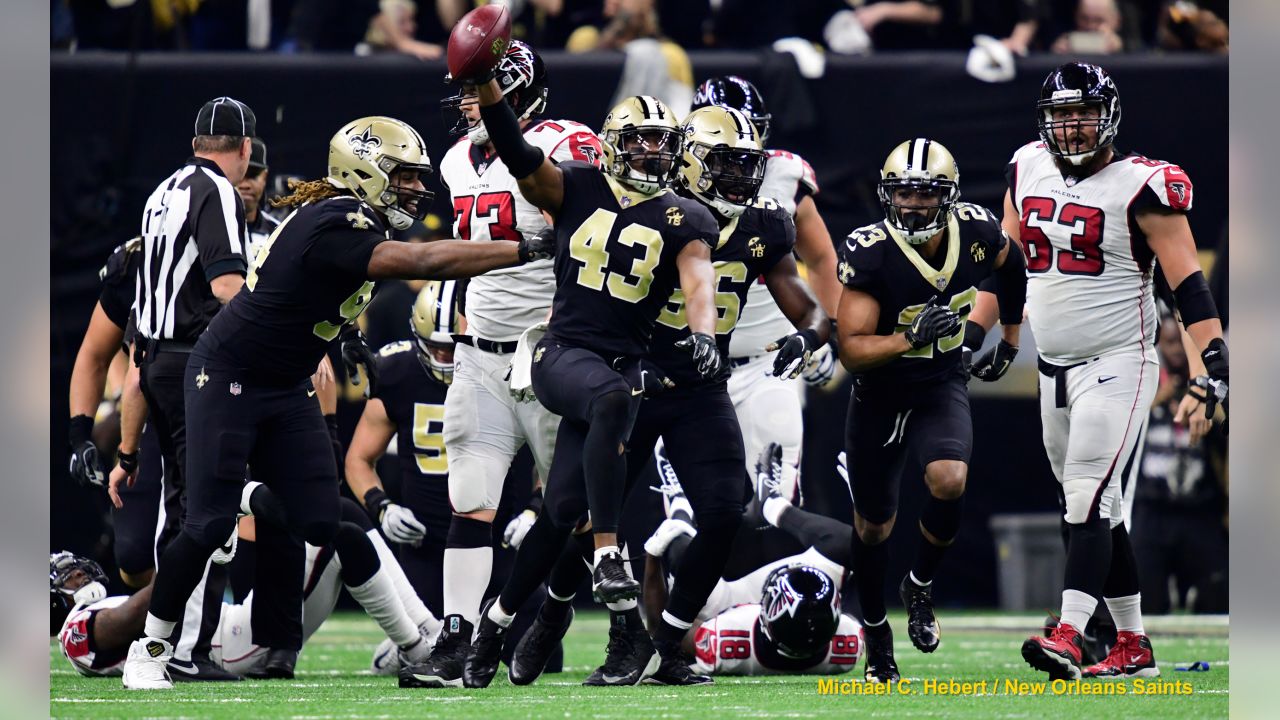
{"points": [[386, 658], [146, 666], [667, 531]]}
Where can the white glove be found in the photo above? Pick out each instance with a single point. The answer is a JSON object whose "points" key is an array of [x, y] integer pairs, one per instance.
{"points": [[821, 367], [518, 528], [227, 552], [400, 525]]}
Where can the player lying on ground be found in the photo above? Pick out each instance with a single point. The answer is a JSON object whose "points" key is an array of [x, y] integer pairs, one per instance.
{"points": [[95, 631], [781, 616]]}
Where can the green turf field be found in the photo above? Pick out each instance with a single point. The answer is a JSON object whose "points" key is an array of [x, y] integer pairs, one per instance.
{"points": [[333, 682]]}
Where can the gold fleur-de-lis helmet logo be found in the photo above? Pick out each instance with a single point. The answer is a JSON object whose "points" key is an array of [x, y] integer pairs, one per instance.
{"points": [[364, 144]]}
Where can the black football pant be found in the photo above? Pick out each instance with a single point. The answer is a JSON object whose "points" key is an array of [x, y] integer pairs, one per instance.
{"points": [[160, 378], [134, 525], [424, 565], [281, 433]]}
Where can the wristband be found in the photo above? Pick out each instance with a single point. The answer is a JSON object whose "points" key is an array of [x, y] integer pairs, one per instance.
{"points": [[811, 339], [535, 501], [375, 501], [128, 461], [80, 430]]}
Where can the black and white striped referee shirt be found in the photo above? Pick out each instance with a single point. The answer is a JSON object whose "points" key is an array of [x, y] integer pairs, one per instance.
{"points": [[193, 230]]}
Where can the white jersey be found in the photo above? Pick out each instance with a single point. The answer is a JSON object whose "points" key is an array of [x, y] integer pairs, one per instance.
{"points": [[732, 643], [1089, 290], [487, 205], [79, 649], [787, 177]]}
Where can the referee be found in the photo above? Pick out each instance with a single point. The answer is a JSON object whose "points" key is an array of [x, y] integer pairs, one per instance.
{"points": [[193, 263]]}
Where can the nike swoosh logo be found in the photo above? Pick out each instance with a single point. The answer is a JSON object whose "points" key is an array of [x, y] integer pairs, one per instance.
{"points": [[1106, 379], [635, 392], [613, 679], [188, 667], [311, 393]]}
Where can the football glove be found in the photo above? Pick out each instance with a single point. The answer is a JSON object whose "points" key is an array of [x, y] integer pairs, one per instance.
{"points": [[995, 362], [821, 367], [400, 525], [706, 356], [357, 356], [1217, 364], [541, 246], [933, 322], [644, 377], [794, 351], [518, 528], [86, 465]]}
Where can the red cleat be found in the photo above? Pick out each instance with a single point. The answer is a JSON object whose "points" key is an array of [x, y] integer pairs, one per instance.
{"points": [[1058, 654], [1130, 657]]}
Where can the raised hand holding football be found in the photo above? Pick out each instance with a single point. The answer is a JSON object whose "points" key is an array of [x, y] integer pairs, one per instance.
{"points": [[478, 42]]}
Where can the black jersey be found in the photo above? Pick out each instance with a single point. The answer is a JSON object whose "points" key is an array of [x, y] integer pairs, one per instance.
{"points": [[414, 401], [616, 260], [749, 246], [308, 280], [875, 260], [119, 282]]}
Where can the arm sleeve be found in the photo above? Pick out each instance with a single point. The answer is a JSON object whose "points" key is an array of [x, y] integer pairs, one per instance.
{"points": [[217, 224], [1011, 285]]}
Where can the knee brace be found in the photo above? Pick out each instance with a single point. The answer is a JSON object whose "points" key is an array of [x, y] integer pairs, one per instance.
{"points": [[467, 532]]}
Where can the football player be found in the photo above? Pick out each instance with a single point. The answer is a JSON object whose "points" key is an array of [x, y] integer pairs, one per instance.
{"points": [[484, 427], [409, 405], [910, 281], [769, 407], [95, 631], [259, 222], [723, 165], [1094, 222], [247, 380]]}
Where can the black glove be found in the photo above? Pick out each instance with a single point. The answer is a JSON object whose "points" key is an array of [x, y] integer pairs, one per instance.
{"points": [[644, 377], [706, 356], [794, 351], [86, 464], [539, 247], [933, 322], [1218, 365], [995, 362], [357, 355]]}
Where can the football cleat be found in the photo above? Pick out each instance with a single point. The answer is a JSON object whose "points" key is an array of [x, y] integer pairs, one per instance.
{"points": [[1058, 654], [1130, 657], [145, 667], [610, 581], [880, 667], [629, 659], [444, 667], [668, 530], [481, 663], [673, 669], [200, 670], [922, 624], [1094, 646], [535, 649], [386, 658], [278, 665]]}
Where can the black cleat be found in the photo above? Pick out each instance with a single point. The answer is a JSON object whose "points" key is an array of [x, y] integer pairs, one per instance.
{"points": [[673, 669], [536, 647], [922, 624], [444, 667], [278, 666], [610, 581], [880, 665], [481, 664], [201, 670], [629, 659]]}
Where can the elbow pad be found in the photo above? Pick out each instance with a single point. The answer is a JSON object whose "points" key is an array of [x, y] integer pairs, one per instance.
{"points": [[520, 157], [1011, 286]]}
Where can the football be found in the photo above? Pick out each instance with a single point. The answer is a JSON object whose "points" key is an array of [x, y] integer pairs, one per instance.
{"points": [[479, 40]]}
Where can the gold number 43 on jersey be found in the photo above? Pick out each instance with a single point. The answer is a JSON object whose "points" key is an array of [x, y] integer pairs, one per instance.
{"points": [[961, 303], [589, 245], [728, 306]]}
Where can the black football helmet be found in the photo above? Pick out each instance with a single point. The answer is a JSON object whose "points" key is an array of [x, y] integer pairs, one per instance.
{"points": [[523, 79], [73, 580], [735, 92], [799, 610], [1077, 83]]}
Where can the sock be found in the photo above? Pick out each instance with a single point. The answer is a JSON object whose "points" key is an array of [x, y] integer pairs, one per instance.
{"points": [[555, 609], [870, 564], [941, 519], [917, 580], [379, 599], [157, 628], [622, 605], [418, 612], [628, 620], [569, 572], [602, 551], [1122, 576], [773, 508], [500, 616], [702, 565], [1077, 608], [928, 558], [1089, 558], [468, 565], [671, 630], [534, 561], [1127, 612]]}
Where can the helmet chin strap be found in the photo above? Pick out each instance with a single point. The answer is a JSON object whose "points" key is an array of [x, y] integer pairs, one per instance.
{"points": [[89, 593], [398, 219]]}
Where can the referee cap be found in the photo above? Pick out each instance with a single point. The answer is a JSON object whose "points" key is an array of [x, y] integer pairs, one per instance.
{"points": [[226, 116]]}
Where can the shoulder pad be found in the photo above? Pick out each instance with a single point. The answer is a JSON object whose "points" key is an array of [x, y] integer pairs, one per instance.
{"points": [[797, 166], [394, 348], [347, 212], [1168, 182], [118, 261]]}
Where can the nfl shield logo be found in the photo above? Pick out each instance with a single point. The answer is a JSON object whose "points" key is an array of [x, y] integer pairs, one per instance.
{"points": [[235, 388], [941, 282], [625, 201]]}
